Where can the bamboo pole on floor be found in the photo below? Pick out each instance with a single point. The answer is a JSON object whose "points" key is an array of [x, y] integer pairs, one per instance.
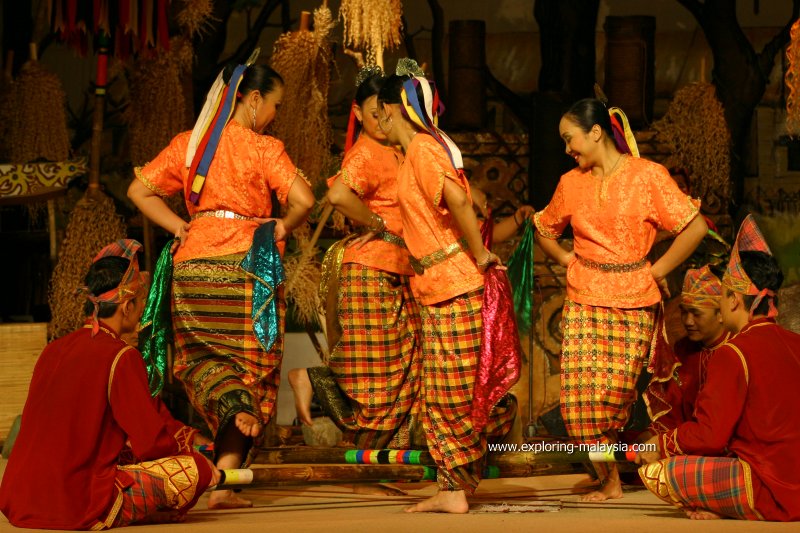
{"points": [[511, 460]]}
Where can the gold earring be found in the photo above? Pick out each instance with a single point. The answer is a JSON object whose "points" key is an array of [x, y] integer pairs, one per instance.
{"points": [[254, 118]]}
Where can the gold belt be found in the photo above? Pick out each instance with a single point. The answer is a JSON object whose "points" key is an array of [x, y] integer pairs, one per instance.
{"points": [[612, 267], [391, 238], [439, 256], [221, 213]]}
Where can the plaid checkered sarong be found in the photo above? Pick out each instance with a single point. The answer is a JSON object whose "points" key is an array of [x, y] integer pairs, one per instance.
{"points": [[220, 362], [451, 346], [722, 485], [169, 484], [603, 352], [378, 360]]}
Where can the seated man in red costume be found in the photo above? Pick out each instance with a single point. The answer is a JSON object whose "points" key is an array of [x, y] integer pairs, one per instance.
{"points": [[739, 458], [672, 393], [89, 405]]}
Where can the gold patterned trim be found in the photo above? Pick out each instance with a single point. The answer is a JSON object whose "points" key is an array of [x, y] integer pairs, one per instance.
{"points": [[439, 256], [299, 174], [743, 360], [748, 487], [137, 171], [112, 514], [539, 227], [612, 267], [114, 367], [347, 179], [440, 189], [391, 238], [685, 222]]}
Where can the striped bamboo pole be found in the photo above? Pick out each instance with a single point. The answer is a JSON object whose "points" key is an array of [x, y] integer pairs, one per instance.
{"points": [[529, 459]]}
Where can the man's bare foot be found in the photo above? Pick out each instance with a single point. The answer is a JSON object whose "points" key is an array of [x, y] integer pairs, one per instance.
{"points": [[377, 489], [702, 514], [303, 393], [227, 499], [611, 490], [248, 424], [444, 501]]}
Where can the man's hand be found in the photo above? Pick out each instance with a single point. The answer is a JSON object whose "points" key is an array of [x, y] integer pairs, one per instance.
{"points": [[646, 457], [215, 475]]}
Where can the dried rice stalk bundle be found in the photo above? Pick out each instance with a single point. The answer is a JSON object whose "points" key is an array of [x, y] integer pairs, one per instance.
{"points": [[92, 224], [38, 127], [793, 82], [302, 58], [302, 278], [157, 110], [195, 17], [372, 26], [694, 127]]}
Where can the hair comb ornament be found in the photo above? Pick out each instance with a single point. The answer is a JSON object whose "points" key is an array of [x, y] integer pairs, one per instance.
{"points": [[367, 72], [252, 59], [408, 67]]}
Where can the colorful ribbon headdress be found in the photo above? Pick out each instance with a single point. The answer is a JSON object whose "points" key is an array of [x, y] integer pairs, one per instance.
{"points": [[623, 134], [131, 281], [749, 239], [353, 128], [425, 114], [701, 288], [207, 131]]}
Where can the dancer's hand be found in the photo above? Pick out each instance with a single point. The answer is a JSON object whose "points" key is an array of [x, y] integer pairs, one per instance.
{"points": [[361, 240], [661, 281], [489, 260], [180, 236], [280, 232]]}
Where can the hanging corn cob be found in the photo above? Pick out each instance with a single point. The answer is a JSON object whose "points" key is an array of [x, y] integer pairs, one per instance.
{"points": [[373, 26], [302, 58]]}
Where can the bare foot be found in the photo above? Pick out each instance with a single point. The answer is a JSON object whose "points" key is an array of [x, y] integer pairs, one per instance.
{"points": [[702, 514], [303, 393], [443, 502], [248, 424], [227, 499], [611, 490], [378, 489]]}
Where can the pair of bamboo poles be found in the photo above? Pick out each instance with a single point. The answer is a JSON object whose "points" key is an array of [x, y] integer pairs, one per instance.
{"points": [[340, 465]]}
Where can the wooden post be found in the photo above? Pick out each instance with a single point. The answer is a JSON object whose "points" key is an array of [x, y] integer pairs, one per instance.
{"points": [[51, 230], [97, 119], [305, 20]]}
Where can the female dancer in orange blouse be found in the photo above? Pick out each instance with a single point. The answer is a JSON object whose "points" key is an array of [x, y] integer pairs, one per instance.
{"points": [[448, 256], [231, 378], [376, 362], [615, 203]]}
